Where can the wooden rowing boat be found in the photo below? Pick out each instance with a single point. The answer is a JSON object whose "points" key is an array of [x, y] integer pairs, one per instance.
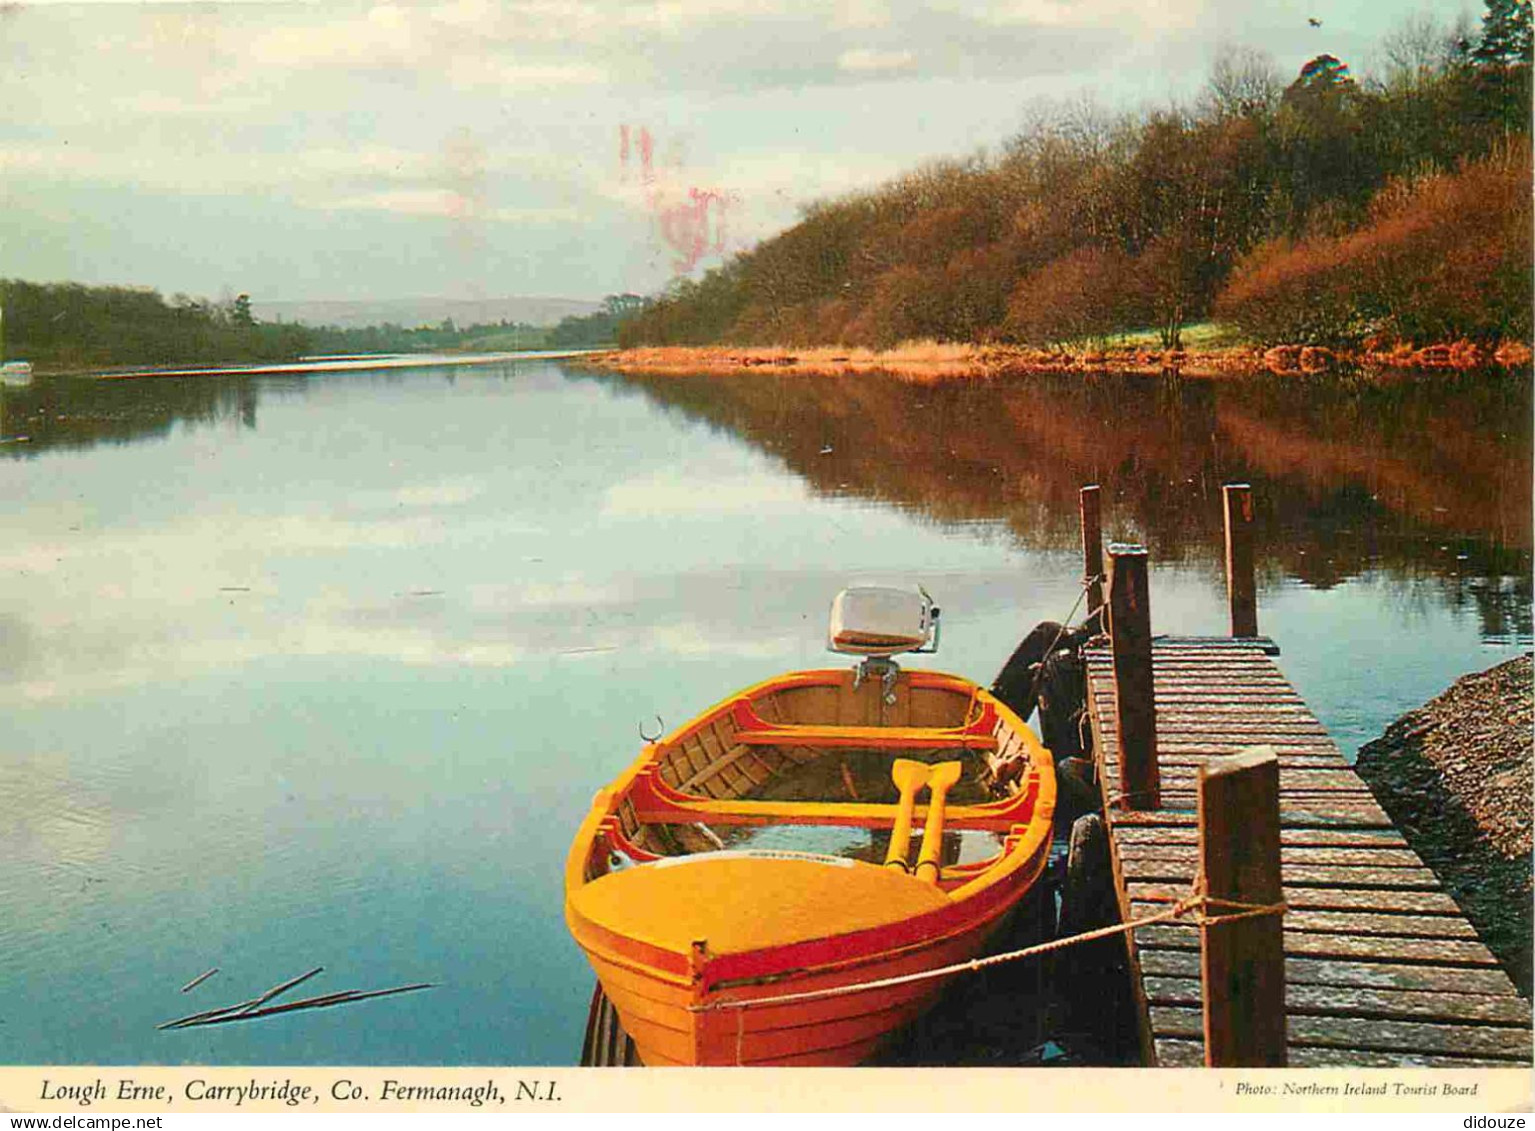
{"points": [[760, 853]]}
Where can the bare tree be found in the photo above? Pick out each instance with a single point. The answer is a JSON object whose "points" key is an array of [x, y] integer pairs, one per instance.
{"points": [[1244, 83], [1418, 51]]}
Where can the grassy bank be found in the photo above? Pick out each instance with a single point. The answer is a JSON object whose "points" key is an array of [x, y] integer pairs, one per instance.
{"points": [[940, 361]]}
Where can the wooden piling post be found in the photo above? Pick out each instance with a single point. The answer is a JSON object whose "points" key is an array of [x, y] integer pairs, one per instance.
{"points": [[1240, 588], [1092, 546], [1241, 963], [1134, 698]]}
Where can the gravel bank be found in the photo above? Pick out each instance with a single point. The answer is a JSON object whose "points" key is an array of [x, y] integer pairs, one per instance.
{"points": [[1455, 775]]}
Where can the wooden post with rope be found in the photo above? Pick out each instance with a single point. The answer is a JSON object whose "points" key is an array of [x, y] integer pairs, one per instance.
{"points": [[1241, 591], [1241, 963], [1135, 704], [1092, 546]]}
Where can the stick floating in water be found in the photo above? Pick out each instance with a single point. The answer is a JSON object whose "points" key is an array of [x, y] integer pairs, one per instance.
{"points": [[283, 987], [199, 980], [323, 1001], [241, 1007], [191, 1017]]}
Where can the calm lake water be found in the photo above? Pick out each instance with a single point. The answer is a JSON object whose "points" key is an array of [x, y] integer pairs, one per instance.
{"points": [[323, 670]]}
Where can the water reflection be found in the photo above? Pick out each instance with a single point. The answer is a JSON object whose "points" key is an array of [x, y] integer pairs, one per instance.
{"points": [[53, 413], [1427, 478]]}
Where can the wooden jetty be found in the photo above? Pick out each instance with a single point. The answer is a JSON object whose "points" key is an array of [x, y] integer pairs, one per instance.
{"points": [[1378, 967]]}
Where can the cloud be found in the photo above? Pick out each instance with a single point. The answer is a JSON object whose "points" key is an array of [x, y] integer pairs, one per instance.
{"points": [[860, 14], [447, 492], [673, 492], [383, 37], [865, 60], [1151, 14], [409, 202], [448, 204], [522, 75]]}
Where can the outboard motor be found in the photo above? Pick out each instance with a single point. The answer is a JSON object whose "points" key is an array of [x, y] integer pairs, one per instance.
{"points": [[880, 622]]}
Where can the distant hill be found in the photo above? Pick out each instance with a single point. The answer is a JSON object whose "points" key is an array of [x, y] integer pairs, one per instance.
{"points": [[411, 312]]}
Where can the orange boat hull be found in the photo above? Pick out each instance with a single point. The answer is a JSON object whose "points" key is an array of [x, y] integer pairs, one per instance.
{"points": [[752, 957], [675, 1024]]}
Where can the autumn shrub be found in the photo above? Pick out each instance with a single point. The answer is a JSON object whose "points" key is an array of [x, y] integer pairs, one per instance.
{"points": [[931, 238], [1087, 294], [903, 305], [1289, 292], [1442, 257], [976, 284]]}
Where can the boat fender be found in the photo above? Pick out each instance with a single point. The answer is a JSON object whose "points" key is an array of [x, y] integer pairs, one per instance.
{"points": [[1076, 793], [1062, 702], [1014, 684], [1046, 671], [1087, 896]]}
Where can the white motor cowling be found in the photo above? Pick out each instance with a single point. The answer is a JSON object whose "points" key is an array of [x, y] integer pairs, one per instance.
{"points": [[883, 620]]}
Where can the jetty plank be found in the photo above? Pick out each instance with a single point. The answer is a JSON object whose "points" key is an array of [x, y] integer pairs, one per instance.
{"points": [[1323, 875], [1351, 972], [1371, 1033], [1383, 948], [1288, 838], [1296, 854], [1358, 922], [1401, 1005], [1176, 1053], [1368, 899]]}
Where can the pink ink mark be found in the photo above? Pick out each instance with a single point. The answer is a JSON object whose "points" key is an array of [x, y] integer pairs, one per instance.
{"points": [[686, 228], [623, 152], [647, 155]]}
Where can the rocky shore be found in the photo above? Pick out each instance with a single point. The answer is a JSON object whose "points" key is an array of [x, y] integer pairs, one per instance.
{"points": [[1455, 775]]}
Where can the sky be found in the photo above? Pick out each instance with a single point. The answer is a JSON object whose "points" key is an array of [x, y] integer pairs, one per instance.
{"points": [[333, 149]]}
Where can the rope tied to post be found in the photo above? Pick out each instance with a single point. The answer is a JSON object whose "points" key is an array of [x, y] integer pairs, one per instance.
{"points": [[1193, 905], [1039, 671], [1235, 910], [1113, 800]]}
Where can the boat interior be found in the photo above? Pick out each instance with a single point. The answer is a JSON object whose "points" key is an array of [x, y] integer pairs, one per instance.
{"points": [[803, 764]]}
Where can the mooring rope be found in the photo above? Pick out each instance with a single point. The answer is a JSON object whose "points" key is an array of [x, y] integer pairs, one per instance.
{"points": [[1196, 901], [1039, 671]]}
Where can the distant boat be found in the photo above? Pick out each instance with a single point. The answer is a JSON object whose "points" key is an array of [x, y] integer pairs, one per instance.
{"points": [[16, 373], [743, 953]]}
